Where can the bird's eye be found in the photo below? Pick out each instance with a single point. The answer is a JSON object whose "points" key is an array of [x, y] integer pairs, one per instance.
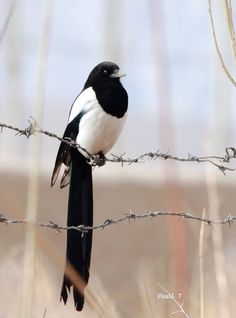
{"points": [[105, 72]]}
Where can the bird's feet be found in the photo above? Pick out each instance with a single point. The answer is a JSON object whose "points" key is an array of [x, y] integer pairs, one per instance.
{"points": [[98, 160]]}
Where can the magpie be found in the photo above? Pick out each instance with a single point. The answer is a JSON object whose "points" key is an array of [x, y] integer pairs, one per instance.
{"points": [[95, 122]]}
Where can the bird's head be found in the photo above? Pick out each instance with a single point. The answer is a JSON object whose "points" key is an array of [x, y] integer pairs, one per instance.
{"points": [[104, 72]]}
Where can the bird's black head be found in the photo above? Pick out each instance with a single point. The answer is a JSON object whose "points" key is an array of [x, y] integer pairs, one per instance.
{"points": [[102, 73], [111, 95]]}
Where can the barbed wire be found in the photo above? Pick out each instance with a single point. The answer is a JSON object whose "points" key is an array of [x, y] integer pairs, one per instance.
{"points": [[32, 129], [130, 216]]}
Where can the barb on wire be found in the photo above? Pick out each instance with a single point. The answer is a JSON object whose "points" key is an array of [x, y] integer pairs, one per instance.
{"points": [[126, 217], [230, 152], [33, 128]]}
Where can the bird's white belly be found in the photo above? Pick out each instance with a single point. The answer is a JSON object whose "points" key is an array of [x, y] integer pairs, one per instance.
{"points": [[98, 131]]}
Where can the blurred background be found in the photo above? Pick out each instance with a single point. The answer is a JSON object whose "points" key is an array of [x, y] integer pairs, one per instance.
{"points": [[180, 102]]}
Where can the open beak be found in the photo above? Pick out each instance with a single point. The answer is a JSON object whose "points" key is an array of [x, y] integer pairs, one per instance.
{"points": [[117, 74]]}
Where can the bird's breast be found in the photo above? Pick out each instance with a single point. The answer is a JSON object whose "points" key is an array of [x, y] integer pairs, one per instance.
{"points": [[98, 130]]}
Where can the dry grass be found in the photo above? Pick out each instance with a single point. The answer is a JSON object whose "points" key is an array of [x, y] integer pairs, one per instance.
{"points": [[230, 24], [128, 262]]}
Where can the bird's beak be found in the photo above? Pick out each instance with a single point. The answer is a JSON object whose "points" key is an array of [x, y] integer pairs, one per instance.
{"points": [[117, 74]]}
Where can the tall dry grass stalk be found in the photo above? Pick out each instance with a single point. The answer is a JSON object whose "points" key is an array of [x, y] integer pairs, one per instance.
{"points": [[230, 25], [7, 20], [148, 293], [172, 189], [217, 239], [33, 174], [201, 254], [100, 302]]}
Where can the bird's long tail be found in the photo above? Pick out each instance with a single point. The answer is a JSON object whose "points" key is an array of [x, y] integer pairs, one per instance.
{"points": [[79, 245]]}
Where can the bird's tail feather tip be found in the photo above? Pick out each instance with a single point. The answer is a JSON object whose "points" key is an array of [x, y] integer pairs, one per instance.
{"points": [[53, 179], [79, 304], [64, 294], [78, 297]]}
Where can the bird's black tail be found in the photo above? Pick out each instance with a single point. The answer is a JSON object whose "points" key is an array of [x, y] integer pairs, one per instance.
{"points": [[79, 245]]}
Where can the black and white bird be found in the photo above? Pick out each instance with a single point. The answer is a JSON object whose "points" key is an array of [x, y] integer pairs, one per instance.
{"points": [[96, 119]]}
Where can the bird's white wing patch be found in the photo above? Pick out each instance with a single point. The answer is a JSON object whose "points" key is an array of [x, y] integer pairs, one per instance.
{"points": [[84, 102]]}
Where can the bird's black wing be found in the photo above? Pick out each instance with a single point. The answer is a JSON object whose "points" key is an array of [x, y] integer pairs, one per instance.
{"points": [[64, 152]]}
